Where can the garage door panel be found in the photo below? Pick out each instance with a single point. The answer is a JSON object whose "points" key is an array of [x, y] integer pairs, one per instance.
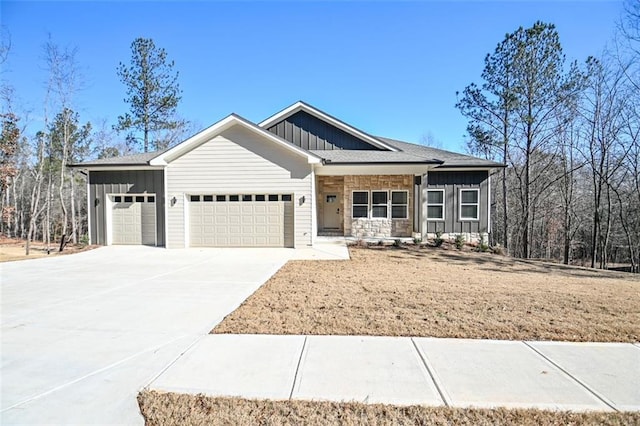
{"points": [[242, 223], [133, 222]]}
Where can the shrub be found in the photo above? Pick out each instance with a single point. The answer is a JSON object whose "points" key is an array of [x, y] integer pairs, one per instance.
{"points": [[459, 241], [439, 240], [397, 242], [497, 249], [483, 246], [84, 240], [417, 240]]}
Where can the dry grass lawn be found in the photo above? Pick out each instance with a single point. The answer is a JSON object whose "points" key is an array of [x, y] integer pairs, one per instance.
{"points": [[13, 249], [443, 293], [178, 409]]}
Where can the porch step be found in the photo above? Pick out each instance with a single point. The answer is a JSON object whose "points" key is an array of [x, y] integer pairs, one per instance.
{"points": [[330, 234]]}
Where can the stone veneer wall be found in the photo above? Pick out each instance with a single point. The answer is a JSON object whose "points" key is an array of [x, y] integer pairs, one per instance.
{"points": [[377, 228]]}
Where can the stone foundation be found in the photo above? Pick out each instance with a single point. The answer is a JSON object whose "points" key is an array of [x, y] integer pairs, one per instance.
{"points": [[469, 237]]}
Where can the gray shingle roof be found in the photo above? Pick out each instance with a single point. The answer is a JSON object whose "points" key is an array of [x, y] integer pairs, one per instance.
{"points": [[409, 153], [345, 156], [141, 159], [449, 159]]}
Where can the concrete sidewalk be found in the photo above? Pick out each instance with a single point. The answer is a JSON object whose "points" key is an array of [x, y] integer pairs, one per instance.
{"points": [[404, 371]]}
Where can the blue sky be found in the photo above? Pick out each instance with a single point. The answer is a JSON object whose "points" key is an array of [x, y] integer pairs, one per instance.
{"points": [[389, 68]]}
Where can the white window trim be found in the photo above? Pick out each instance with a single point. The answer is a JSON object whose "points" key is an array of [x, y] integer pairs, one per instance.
{"points": [[433, 219], [477, 204], [389, 204], [406, 205], [368, 204], [371, 205]]}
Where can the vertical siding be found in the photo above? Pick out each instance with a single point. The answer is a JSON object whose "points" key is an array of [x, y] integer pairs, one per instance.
{"points": [[309, 132], [452, 182], [240, 162], [103, 183]]}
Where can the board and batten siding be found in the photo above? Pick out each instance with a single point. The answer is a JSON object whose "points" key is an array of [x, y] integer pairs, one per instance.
{"points": [[239, 161], [452, 182], [103, 183], [309, 132]]}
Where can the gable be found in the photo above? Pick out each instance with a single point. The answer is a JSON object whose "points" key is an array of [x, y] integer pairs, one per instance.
{"points": [[308, 132]]}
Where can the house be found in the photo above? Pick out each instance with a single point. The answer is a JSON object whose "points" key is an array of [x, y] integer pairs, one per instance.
{"points": [[296, 175]]}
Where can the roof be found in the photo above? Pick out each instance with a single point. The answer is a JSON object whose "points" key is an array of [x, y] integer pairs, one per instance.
{"points": [[449, 159], [399, 152], [344, 156], [141, 159]]}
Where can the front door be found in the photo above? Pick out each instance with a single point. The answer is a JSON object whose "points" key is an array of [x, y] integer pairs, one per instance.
{"points": [[332, 213]]}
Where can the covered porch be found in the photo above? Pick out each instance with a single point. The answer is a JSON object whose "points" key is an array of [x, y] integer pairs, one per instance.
{"points": [[368, 206]]}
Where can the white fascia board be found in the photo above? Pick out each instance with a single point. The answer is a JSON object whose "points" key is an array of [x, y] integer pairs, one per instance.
{"points": [[377, 169], [311, 158], [186, 146], [218, 128], [299, 106]]}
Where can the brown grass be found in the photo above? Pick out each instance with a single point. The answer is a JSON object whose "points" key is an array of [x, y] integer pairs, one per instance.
{"points": [[440, 293], [12, 249], [178, 409]]}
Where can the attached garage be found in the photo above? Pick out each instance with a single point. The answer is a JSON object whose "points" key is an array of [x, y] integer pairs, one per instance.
{"points": [[133, 219], [241, 220]]}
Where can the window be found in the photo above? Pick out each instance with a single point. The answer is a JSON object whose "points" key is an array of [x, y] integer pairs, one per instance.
{"points": [[399, 204], [194, 198], [286, 197], [234, 198], [128, 199], [379, 204], [117, 199], [273, 197], [469, 204], [140, 199], [260, 197], [207, 198], [247, 198], [151, 199], [360, 204], [221, 198], [435, 204]]}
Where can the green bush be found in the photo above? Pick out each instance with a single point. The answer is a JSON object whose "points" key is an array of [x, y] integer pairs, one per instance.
{"points": [[483, 247], [459, 241], [397, 242], [84, 240], [439, 240]]}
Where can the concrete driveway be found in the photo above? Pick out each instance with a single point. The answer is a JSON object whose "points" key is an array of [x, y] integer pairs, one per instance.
{"points": [[81, 334]]}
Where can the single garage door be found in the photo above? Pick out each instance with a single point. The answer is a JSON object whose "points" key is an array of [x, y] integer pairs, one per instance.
{"points": [[233, 220], [133, 219]]}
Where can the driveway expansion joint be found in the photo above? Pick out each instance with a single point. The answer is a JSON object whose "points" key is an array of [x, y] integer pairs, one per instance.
{"points": [[432, 374], [572, 377], [295, 376]]}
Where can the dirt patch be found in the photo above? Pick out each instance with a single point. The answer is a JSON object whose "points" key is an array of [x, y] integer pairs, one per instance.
{"points": [[13, 249], [441, 293], [179, 409]]}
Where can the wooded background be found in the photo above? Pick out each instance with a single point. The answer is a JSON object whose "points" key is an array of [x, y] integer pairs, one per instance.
{"points": [[569, 134]]}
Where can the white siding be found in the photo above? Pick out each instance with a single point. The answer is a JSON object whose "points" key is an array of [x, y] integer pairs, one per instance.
{"points": [[239, 162]]}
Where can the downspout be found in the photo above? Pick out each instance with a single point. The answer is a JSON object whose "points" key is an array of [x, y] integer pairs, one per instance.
{"points": [[89, 206], [314, 213], [166, 207]]}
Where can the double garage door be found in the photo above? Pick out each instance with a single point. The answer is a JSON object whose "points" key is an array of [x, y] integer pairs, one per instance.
{"points": [[133, 219], [234, 220]]}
